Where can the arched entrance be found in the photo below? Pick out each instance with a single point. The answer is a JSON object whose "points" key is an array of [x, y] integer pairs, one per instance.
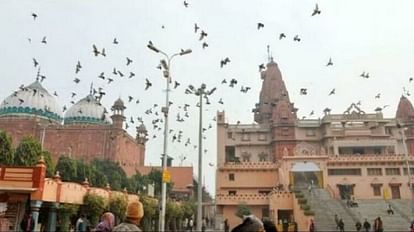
{"points": [[305, 173]]}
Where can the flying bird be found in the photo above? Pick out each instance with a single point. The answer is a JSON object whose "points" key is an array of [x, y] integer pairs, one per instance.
{"points": [[44, 40], [120, 73], [95, 50], [196, 27], [34, 15], [281, 36], [332, 92], [35, 63], [378, 96], [205, 45], [147, 83], [176, 84], [410, 79], [260, 25], [261, 67], [102, 76], [115, 41], [316, 11], [185, 4], [131, 75], [78, 67], [103, 52], [203, 34], [330, 63], [296, 38], [129, 61], [76, 80], [303, 91]]}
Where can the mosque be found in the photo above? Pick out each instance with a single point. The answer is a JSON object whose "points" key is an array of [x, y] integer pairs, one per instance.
{"points": [[276, 166]]}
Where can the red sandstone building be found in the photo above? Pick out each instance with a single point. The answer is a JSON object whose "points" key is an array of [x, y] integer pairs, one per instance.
{"points": [[342, 156]]}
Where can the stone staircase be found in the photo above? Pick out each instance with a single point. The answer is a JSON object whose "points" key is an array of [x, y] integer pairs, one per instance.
{"points": [[325, 209], [371, 209]]}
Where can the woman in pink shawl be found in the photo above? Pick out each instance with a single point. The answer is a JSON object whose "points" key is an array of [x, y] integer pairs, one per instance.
{"points": [[107, 223]]}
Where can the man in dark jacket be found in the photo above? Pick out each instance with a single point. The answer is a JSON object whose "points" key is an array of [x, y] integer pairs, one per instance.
{"points": [[366, 225], [27, 224]]}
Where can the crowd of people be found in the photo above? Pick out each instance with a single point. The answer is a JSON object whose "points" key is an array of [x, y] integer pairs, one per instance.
{"points": [[253, 224], [365, 227]]}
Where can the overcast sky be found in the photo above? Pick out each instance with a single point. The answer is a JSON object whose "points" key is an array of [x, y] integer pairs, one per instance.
{"points": [[372, 36]]}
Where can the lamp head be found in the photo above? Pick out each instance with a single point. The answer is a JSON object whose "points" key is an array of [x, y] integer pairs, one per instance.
{"points": [[164, 64], [152, 47], [185, 52]]}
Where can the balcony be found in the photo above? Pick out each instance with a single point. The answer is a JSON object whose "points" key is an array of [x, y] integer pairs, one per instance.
{"points": [[265, 165], [371, 158], [249, 199]]}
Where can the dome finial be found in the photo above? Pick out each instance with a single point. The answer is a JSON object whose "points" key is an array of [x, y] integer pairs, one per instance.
{"points": [[91, 89], [38, 74]]}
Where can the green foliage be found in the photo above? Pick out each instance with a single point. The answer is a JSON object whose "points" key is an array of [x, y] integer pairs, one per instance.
{"points": [[118, 205], [189, 208], [305, 207], [302, 201], [50, 167], [309, 213], [242, 210], [93, 206], [6, 150], [28, 152], [299, 195], [65, 212], [114, 173], [150, 212]]}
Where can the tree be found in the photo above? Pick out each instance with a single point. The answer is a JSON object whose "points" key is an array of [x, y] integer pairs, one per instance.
{"points": [[67, 168], [118, 205], [242, 210], [93, 206], [114, 173], [28, 153], [65, 212], [6, 150], [150, 206]]}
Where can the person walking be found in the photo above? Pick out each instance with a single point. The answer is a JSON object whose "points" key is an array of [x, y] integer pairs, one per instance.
{"points": [[366, 225], [378, 227], [134, 214], [336, 221], [27, 224], [311, 226], [107, 223], [226, 225], [81, 224], [191, 225], [390, 210], [358, 226], [341, 225]]}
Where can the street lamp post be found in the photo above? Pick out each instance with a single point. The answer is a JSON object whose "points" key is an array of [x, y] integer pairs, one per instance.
{"points": [[200, 92], [402, 131], [166, 66]]}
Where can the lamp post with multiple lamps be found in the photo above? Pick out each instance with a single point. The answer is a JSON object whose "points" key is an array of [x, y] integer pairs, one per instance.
{"points": [[166, 65], [200, 92], [407, 162]]}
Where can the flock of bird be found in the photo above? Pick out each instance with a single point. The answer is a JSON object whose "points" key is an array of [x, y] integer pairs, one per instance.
{"points": [[154, 112]]}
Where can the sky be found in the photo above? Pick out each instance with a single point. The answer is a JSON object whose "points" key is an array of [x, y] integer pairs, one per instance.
{"points": [[372, 36]]}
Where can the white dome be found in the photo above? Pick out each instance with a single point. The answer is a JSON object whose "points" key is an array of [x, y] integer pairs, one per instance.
{"points": [[87, 110], [31, 100]]}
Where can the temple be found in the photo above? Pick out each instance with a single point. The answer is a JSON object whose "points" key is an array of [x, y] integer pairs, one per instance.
{"points": [[277, 165]]}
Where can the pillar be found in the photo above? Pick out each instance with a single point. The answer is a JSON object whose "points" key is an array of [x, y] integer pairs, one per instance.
{"points": [[35, 208], [51, 219]]}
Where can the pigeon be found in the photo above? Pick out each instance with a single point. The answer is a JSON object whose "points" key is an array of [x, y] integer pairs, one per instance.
{"points": [[102, 76], [224, 62], [64, 108], [21, 101], [223, 81], [316, 11], [95, 50], [44, 40], [115, 41], [311, 113], [378, 96], [129, 61], [410, 79], [233, 82], [73, 94], [103, 52], [35, 63], [204, 45], [131, 75], [120, 73], [196, 27], [130, 98], [76, 80], [281, 36], [34, 15], [55, 93], [114, 72], [330, 63], [203, 34], [110, 80], [78, 67], [261, 67], [260, 25], [176, 84], [185, 4], [332, 92], [221, 101], [42, 78], [296, 38], [147, 84], [364, 75], [303, 91]]}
